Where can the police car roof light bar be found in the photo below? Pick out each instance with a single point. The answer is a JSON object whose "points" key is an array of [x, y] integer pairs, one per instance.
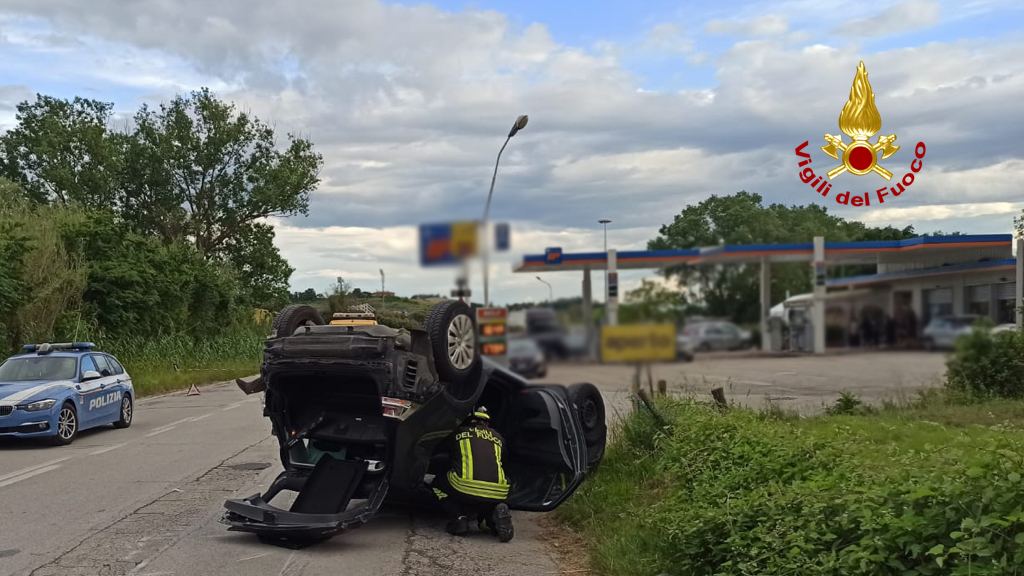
{"points": [[47, 347]]}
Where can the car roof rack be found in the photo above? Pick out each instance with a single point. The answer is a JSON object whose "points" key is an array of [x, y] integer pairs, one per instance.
{"points": [[47, 347]]}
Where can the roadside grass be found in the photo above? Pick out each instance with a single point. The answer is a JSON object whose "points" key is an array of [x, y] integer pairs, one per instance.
{"points": [[925, 487], [174, 362]]}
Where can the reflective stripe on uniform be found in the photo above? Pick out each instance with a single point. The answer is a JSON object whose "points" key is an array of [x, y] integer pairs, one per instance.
{"points": [[479, 488], [497, 458]]}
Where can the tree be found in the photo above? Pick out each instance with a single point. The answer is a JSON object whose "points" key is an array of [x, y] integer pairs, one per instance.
{"points": [[339, 296], [215, 169], [653, 302], [732, 290], [60, 151], [262, 271]]}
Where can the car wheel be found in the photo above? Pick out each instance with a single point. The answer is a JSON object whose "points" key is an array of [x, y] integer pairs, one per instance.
{"points": [[294, 316], [452, 334], [589, 405], [67, 425], [127, 412], [704, 347]]}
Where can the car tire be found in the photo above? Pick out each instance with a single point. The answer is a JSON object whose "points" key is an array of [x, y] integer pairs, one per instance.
{"points": [[67, 425], [589, 406], [294, 316], [452, 335], [127, 412], [704, 347]]}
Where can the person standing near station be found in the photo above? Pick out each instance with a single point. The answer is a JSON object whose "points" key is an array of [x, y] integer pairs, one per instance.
{"points": [[475, 484]]}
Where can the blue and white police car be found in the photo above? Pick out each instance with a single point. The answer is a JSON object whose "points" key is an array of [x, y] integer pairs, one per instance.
{"points": [[54, 391]]}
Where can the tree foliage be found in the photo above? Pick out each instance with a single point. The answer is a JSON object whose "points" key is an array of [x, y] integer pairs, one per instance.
{"points": [[194, 174], [742, 218], [61, 151]]}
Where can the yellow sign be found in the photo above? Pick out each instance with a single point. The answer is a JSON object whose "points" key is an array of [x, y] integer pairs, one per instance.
{"points": [[860, 121], [638, 343], [464, 239]]}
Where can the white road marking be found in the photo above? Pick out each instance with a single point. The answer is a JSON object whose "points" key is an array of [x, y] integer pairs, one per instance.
{"points": [[107, 449], [253, 557], [168, 427], [31, 468], [233, 406], [28, 475], [198, 418]]}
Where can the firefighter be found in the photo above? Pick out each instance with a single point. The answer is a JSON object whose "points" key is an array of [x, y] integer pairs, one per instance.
{"points": [[475, 483]]}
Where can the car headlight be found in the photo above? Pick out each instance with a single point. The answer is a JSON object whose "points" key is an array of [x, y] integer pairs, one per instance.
{"points": [[37, 406]]}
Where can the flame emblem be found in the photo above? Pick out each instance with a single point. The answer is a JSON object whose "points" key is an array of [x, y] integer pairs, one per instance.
{"points": [[860, 121]]}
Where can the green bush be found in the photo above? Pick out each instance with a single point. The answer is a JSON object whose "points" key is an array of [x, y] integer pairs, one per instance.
{"points": [[988, 365], [736, 492]]}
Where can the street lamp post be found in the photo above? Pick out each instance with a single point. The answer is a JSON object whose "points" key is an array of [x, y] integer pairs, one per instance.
{"points": [[519, 125], [381, 288], [551, 292], [605, 222]]}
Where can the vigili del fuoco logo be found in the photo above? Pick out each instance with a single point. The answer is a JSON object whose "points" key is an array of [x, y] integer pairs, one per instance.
{"points": [[861, 156]]}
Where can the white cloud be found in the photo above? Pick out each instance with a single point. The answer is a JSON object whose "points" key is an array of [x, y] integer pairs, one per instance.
{"points": [[409, 104], [767, 25], [903, 17]]}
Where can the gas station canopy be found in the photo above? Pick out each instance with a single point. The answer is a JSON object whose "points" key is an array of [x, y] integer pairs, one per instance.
{"points": [[865, 252]]}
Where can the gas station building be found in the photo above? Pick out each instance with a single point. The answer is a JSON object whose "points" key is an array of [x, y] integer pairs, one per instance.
{"points": [[927, 276]]}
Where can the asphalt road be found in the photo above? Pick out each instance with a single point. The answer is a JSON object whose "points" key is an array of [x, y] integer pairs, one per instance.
{"points": [[805, 384], [145, 501]]}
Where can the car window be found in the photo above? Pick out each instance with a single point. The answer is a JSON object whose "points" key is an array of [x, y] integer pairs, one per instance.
{"points": [[87, 364], [38, 368], [115, 366], [101, 365]]}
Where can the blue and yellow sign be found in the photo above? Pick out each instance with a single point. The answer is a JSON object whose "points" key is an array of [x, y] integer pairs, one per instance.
{"points": [[447, 243]]}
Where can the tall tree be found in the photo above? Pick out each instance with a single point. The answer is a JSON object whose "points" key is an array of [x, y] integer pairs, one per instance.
{"points": [[742, 218], [61, 151], [199, 168]]}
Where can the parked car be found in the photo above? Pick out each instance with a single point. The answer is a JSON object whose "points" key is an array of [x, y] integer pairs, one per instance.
{"points": [[54, 391], [1003, 328], [543, 327], [361, 414], [526, 358], [684, 346], [942, 331], [716, 335]]}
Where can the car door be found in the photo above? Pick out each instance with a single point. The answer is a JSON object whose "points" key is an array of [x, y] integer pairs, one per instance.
{"points": [[713, 335], [104, 400], [546, 452], [122, 380]]}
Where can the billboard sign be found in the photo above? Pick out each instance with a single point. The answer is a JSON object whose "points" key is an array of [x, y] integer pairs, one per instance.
{"points": [[638, 343], [447, 243]]}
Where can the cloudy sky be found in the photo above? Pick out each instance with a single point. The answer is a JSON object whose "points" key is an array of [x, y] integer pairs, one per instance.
{"points": [[636, 109]]}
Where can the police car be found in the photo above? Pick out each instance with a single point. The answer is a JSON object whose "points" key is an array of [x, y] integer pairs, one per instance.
{"points": [[54, 391]]}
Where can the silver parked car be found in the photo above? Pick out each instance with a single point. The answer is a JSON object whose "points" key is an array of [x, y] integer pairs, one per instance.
{"points": [[942, 331], [716, 335]]}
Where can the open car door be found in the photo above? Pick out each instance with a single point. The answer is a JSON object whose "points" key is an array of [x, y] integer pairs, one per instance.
{"points": [[546, 456]]}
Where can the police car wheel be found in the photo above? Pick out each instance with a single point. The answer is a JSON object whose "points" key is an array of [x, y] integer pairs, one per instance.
{"points": [[67, 425], [127, 412]]}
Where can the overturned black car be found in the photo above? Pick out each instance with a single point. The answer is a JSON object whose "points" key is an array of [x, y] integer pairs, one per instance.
{"points": [[361, 413]]}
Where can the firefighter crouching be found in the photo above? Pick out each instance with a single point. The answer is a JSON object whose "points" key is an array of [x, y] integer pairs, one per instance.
{"points": [[475, 484]]}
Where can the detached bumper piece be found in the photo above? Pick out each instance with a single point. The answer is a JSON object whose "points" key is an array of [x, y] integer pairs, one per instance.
{"points": [[320, 511]]}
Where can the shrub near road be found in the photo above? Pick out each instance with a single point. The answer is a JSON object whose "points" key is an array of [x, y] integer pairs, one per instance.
{"points": [[745, 493]]}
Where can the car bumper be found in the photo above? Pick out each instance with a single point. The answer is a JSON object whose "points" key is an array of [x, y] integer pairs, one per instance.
{"points": [[22, 424]]}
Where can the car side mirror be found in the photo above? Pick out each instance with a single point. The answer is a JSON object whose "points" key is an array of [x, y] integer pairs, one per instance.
{"points": [[90, 375]]}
